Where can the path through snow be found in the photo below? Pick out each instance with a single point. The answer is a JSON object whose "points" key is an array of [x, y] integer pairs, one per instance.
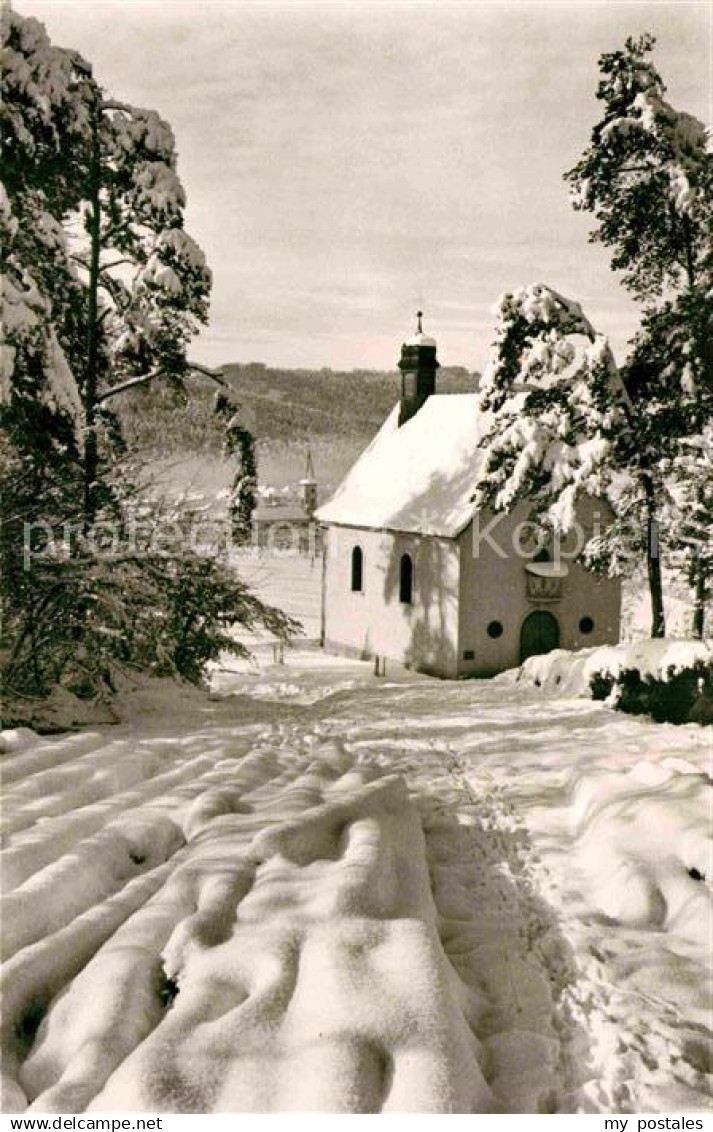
{"points": [[327, 892]]}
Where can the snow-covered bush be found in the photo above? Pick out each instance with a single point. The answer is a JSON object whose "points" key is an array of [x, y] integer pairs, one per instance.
{"points": [[678, 695], [88, 625], [669, 679]]}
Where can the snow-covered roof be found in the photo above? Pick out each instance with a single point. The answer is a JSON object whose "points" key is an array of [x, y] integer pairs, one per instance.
{"points": [[421, 339], [418, 478], [280, 513]]}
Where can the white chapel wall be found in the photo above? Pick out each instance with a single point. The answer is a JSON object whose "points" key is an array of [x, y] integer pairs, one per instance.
{"points": [[373, 622]]}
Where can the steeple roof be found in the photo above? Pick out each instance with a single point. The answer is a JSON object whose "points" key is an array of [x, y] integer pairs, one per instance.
{"points": [[419, 338]]}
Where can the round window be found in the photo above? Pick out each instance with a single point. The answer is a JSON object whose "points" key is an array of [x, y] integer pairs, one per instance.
{"points": [[586, 625], [495, 629]]}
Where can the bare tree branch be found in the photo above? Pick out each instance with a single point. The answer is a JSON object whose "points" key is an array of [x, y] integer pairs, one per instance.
{"points": [[214, 374], [130, 383], [144, 378]]}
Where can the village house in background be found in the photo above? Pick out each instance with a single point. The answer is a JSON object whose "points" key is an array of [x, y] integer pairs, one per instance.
{"points": [[407, 577], [290, 526]]}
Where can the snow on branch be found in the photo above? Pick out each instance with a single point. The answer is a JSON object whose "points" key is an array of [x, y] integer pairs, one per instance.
{"points": [[553, 401]]}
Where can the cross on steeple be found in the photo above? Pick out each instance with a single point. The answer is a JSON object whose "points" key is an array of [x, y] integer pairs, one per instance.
{"points": [[419, 326]]}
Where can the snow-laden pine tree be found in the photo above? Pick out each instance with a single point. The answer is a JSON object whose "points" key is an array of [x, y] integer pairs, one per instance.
{"points": [[103, 290], [42, 413], [43, 116], [647, 178], [669, 377], [562, 420], [147, 283], [556, 417]]}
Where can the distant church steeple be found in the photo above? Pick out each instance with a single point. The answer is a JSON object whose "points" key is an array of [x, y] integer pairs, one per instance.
{"points": [[418, 367], [309, 487]]}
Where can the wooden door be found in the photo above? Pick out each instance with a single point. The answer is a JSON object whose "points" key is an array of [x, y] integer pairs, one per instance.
{"points": [[540, 633]]}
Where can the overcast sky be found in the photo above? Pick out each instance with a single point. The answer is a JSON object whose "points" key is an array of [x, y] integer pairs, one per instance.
{"points": [[346, 164]]}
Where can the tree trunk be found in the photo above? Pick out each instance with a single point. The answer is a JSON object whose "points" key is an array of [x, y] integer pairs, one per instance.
{"points": [[91, 377], [699, 598], [653, 563]]}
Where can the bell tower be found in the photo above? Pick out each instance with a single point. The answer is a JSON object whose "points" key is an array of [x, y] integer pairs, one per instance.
{"points": [[418, 367], [308, 487]]}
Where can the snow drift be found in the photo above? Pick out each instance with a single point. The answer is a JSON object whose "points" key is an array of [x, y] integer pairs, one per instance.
{"points": [[307, 971], [330, 892], [645, 846]]}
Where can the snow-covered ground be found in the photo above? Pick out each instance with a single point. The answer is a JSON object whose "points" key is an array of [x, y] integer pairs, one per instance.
{"points": [[291, 582], [323, 891]]}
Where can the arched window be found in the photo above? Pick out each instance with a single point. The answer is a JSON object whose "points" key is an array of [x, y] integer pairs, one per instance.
{"points": [[357, 569], [406, 579]]}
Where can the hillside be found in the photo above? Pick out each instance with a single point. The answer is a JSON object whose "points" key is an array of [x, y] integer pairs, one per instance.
{"points": [[335, 413], [279, 404], [293, 404]]}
